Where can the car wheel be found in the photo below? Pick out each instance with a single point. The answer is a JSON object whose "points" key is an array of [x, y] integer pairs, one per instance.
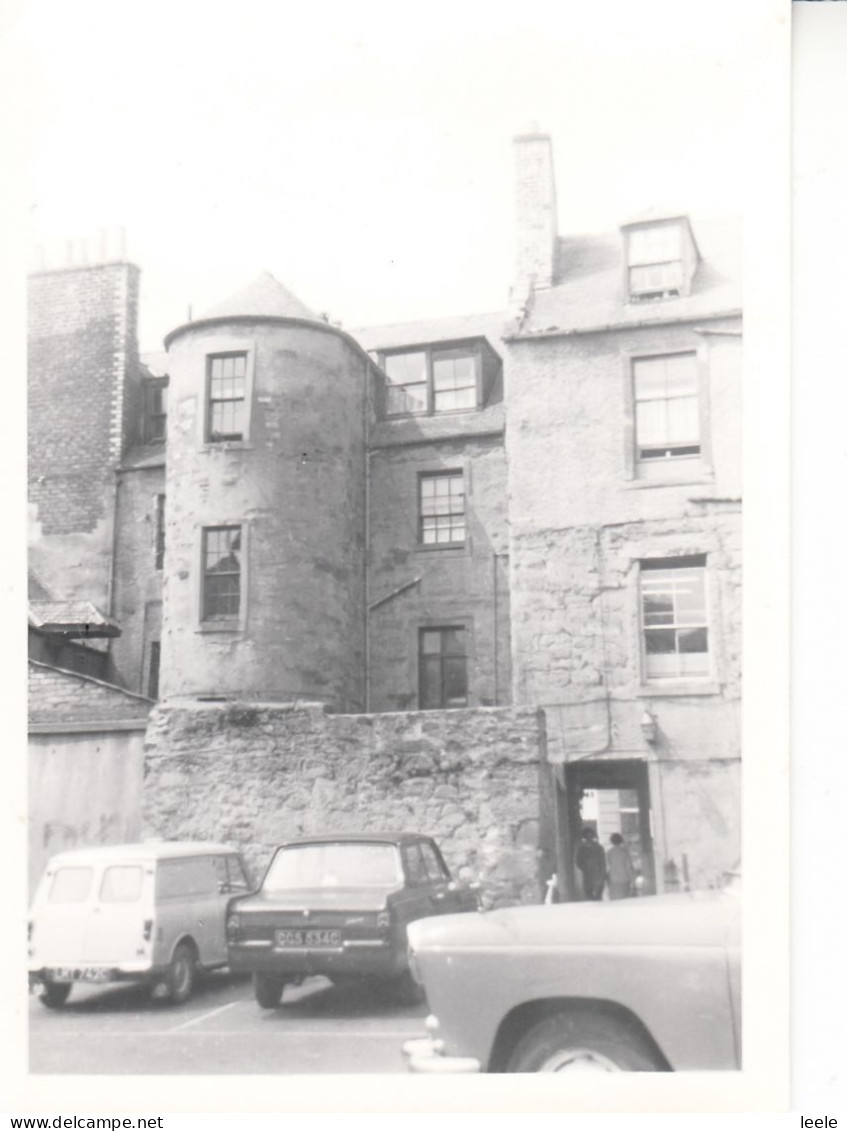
{"points": [[55, 994], [268, 991], [405, 990], [181, 975], [579, 1041]]}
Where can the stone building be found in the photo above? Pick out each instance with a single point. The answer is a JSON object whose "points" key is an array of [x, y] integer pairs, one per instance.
{"points": [[498, 550]]}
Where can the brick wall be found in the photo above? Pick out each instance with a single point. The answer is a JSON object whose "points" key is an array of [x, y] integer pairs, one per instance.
{"points": [[83, 367], [254, 776], [57, 696]]}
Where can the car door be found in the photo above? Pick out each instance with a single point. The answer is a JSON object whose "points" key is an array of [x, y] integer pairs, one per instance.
{"points": [[448, 895], [419, 895]]}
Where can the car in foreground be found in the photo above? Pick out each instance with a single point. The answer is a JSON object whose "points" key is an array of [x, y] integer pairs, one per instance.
{"points": [[152, 912], [340, 906], [644, 985]]}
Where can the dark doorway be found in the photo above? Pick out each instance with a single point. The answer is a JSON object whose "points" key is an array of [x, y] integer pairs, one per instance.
{"points": [[610, 797]]}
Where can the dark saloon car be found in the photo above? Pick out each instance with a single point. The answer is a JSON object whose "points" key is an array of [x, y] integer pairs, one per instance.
{"points": [[630, 985], [339, 906]]}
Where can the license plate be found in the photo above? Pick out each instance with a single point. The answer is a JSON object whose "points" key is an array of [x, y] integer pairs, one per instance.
{"points": [[83, 974], [313, 937]]}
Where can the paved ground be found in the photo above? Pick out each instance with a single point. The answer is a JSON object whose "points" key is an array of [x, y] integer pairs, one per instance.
{"points": [[319, 1028]]}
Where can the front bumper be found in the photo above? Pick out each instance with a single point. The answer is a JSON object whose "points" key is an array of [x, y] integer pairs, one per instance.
{"points": [[424, 1055]]}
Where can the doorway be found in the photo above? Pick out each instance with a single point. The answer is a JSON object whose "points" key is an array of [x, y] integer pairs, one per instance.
{"points": [[609, 797]]}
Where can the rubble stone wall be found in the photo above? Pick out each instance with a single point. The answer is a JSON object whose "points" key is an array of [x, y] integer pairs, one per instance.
{"points": [[256, 775]]}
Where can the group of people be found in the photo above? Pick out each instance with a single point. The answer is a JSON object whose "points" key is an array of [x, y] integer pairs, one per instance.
{"points": [[598, 867]]}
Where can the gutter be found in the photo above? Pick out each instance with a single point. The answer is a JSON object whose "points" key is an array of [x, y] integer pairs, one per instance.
{"points": [[640, 324]]}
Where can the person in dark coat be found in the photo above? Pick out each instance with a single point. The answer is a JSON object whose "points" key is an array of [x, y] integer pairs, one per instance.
{"points": [[591, 861]]}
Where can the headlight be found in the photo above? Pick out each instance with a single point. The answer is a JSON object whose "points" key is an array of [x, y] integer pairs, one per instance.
{"points": [[383, 919], [233, 924]]}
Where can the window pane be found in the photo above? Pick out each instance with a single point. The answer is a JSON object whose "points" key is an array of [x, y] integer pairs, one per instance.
{"points": [[453, 641], [405, 398], [415, 866], [430, 672], [455, 682], [650, 377], [121, 884], [333, 865], [406, 368], [683, 420], [693, 640], [71, 885], [658, 609], [659, 642], [431, 642], [651, 422]]}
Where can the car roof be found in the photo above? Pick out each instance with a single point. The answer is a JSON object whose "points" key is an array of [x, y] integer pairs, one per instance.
{"points": [[356, 838], [144, 850]]}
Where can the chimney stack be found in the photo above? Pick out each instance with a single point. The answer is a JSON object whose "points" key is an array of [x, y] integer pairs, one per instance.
{"points": [[535, 202]]}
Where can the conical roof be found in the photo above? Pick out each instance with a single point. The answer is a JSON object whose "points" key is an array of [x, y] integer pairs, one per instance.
{"points": [[265, 297]]}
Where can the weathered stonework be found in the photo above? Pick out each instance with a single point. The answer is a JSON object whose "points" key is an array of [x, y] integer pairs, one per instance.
{"points": [[255, 775]]}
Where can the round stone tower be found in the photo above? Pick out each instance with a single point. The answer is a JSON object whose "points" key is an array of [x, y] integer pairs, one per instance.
{"points": [[264, 589]]}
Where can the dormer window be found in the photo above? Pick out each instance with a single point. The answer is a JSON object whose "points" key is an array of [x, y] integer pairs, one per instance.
{"points": [[431, 380], [660, 260]]}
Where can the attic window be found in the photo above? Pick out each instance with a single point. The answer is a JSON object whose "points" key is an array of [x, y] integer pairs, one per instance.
{"points": [[428, 380], [655, 262]]}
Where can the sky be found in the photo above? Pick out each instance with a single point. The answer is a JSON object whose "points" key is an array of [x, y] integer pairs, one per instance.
{"points": [[362, 153]]}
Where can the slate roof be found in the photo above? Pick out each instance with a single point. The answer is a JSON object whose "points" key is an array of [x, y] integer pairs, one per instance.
{"points": [[71, 618], [264, 297], [589, 293], [490, 326]]}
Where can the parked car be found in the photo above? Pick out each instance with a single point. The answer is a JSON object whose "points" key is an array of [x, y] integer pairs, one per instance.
{"points": [[644, 985], [340, 906], [152, 912]]}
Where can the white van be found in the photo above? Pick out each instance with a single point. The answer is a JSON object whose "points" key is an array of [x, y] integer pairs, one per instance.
{"points": [[152, 912]]}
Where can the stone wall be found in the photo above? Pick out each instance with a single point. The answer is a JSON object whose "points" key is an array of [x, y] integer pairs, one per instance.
{"points": [[465, 585], [257, 775]]}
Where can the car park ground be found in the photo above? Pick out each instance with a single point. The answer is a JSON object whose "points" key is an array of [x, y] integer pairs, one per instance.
{"points": [[320, 1028]]}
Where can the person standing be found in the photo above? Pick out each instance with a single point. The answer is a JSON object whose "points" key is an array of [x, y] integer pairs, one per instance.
{"points": [[620, 869], [591, 861]]}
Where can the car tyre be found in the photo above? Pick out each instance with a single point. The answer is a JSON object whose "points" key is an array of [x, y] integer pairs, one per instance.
{"points": [[405, 990], [582, 1041], [268, 990], [181, 975], [55, 994]]}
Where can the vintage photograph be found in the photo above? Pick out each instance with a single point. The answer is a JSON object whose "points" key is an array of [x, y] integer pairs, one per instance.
{"points": [[385, 542]]}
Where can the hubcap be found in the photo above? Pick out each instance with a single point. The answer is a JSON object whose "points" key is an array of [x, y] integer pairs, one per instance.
{"points": [[578, 1060]]}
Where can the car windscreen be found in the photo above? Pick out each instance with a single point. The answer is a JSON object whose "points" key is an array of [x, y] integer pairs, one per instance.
{"points": [[334, 865]]}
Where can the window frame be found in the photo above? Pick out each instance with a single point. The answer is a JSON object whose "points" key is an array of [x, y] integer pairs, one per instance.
{"points": [[431, 351], [644, 296], [430, 475], [224, 346], [230, 620], [441, 627], [211, 401], [151, 386], [689, 466], [659, 565]]}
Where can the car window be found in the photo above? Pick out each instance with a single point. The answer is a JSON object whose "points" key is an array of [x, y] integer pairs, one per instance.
{"points": [[333, 865], [121, 883], [71, 885], [414, 865], [438, 874], [187, 877]]}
